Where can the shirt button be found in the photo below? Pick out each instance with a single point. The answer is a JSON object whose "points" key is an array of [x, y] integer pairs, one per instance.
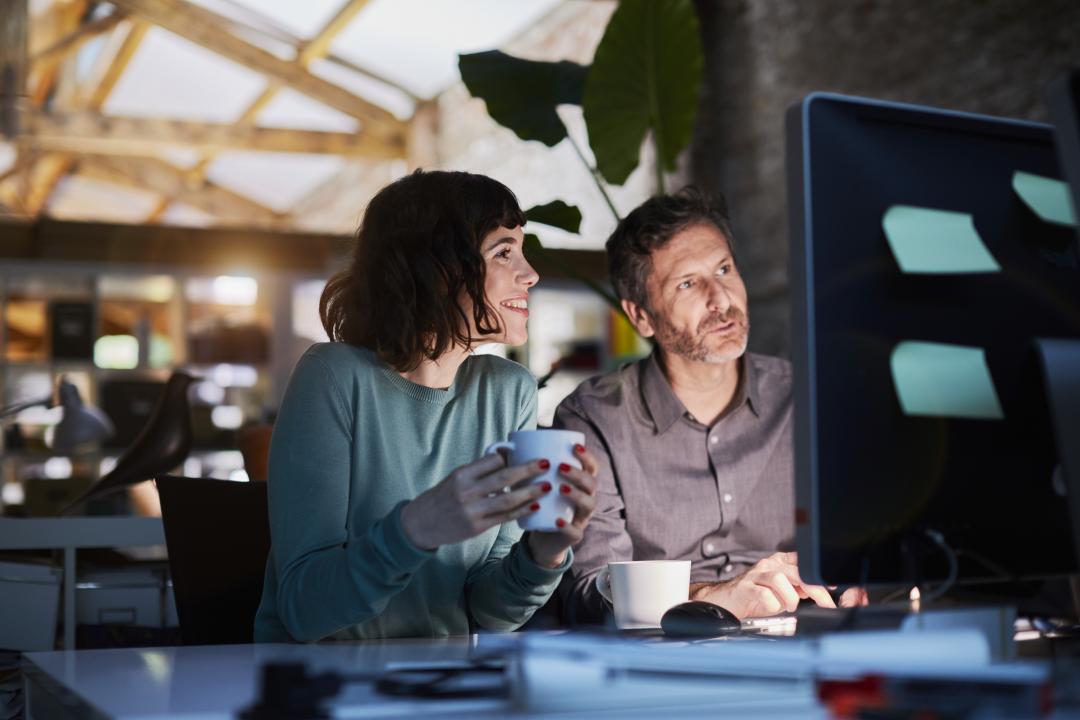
{"points": [[727, 497], [709, 548], [714, 439], [728, 568]]}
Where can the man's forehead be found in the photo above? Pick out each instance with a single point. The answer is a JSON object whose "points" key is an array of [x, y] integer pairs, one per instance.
{"points": [[690, 249]]}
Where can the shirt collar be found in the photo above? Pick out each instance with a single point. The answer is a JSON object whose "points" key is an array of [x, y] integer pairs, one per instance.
{"points": [[664, 405], [660, 400], [749, 386]]}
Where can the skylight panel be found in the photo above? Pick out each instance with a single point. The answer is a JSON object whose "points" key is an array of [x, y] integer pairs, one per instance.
{"points": [[171, 77]]}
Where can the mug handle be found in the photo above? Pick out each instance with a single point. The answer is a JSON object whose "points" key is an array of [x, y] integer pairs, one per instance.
{"points": [[603, 585], [495, 447]]}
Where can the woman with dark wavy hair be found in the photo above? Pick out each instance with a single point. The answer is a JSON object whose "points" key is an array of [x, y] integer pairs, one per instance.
{"points": [[383, 521]]}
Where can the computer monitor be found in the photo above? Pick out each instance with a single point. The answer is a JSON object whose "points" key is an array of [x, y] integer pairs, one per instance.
{"points": [[1063, 98], [921, 274]]}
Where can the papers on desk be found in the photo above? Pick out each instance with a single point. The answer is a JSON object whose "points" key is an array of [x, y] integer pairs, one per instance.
{"points": [[580, 672]]}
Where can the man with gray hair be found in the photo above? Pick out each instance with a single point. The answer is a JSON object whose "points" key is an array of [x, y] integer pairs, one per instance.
{"points": [[694, 441]]}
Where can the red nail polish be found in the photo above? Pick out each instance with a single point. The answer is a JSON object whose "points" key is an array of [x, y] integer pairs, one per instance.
{"points": [[534, 507], [545, 486], [564, 489], [564, 468], [579, 448], [544, 464], [560, 523]]}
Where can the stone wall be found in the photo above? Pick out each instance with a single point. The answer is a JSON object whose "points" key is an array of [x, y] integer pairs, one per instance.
{"points": [[986, 56]]}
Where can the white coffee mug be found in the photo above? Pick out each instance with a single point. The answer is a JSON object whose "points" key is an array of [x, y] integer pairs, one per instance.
{"points": [[557, 447], [641, 591]]}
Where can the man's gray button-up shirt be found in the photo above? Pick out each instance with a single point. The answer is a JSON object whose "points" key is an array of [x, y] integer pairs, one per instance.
{"points": [[672, 488]]}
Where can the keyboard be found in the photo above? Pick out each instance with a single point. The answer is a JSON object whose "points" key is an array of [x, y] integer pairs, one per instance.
{"points": [[810, 620]]}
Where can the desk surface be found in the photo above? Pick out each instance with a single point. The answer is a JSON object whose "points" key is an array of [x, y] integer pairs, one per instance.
{"points": [[218, 681], [565, 675], [79, 532]]}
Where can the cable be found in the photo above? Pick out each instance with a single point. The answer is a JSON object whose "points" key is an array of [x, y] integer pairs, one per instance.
{"points": [[954, 568], [895, 595], [848, 621], [1004, 575]]}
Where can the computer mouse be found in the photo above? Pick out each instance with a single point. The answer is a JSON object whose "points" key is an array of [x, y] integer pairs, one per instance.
{"points": [[699, 619]]}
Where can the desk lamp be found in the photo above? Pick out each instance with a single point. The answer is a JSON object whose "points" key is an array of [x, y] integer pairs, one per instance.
{"points": [[81, 423]]}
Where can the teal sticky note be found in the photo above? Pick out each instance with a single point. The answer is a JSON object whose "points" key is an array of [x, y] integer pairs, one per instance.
{"points": [[927, 241], [942, 380], [1047, 197]]}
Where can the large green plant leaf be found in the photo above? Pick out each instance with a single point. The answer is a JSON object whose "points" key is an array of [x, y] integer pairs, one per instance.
{"points": [[522, 94], [645, 76], [556, 214]]}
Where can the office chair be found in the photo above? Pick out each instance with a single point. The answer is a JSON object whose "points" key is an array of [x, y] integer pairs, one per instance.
{"points": [[218, 538]]}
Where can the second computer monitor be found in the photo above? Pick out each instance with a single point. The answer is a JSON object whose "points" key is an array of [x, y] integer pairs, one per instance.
{"points": [[929, 249]]}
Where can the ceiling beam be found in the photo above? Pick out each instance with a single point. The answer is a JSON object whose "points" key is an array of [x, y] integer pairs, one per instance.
{"points": [[79, 37], [44, 176], [213, 250], [30, 192], [207, 29], [14, 182], [156, 175], [319, 46], [108, 73], [43, 171], [56, 23], [315, 48], [337, 203], [13, 32], [90, 132]]}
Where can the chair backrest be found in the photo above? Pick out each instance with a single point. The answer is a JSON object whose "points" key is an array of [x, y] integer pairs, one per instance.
{"points": [[218, 538]]}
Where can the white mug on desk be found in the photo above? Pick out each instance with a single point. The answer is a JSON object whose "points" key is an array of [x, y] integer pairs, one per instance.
{"points": [[641, 591], [557, 447]]}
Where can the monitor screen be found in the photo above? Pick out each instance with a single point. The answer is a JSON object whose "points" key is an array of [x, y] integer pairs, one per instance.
{"points": [[928, 251]]}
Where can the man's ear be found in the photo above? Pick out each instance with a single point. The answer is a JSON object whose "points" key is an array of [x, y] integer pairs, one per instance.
{"points": [[639, 318]]}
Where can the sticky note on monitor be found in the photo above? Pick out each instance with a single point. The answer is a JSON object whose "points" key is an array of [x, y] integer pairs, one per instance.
{"points": [[941, 380], [1047, 197], [926, 241]]}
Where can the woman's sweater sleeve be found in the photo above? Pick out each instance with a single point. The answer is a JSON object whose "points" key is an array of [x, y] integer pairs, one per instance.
{"points": [[509, 586], [327, 579]]}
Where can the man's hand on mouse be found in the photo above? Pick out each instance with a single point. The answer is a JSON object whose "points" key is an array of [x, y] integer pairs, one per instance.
{"points": [[772, 586]]}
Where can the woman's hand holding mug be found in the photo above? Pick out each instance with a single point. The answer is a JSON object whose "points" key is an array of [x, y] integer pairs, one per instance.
{"points": [[554, 503], [578, 486], [472, 499]]}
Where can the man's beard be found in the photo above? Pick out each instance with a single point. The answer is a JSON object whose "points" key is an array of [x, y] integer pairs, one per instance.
{"points": [[695, 346]]}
